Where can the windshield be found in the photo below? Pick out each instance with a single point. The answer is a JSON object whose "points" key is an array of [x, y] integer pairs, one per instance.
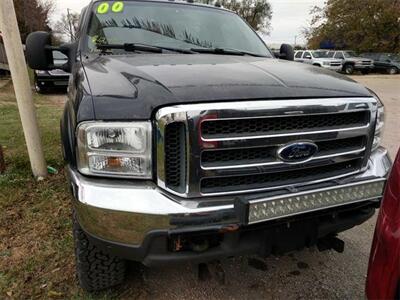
{"points": [[350, 54], [330, 54], [171, 25], [394, 57], [321, 54]]}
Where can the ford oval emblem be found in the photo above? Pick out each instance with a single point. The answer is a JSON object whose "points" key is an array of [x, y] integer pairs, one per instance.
{"points": [[297, 151]]}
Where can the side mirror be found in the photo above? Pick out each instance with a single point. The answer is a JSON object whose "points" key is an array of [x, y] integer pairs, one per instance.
{"points": [[286, 52], [276, 54], [39, 52]]}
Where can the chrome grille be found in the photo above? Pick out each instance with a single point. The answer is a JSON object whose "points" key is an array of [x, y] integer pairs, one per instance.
{"points": [[232, 147]]}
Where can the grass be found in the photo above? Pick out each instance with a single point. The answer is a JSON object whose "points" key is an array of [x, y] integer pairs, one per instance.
{"points": [[36, 249]]}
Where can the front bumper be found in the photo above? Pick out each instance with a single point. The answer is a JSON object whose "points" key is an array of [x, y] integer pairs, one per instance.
{"points": [[333, 68], [52, 81], [126, 211]]}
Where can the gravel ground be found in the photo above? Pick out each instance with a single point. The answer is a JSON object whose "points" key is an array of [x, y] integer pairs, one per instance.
{"points": [[300, 275]]}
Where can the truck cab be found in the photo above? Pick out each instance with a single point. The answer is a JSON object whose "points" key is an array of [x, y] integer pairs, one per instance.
{"points": [[186, 140]]}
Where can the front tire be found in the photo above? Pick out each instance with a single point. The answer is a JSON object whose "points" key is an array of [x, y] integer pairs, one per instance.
{"points": [[348, 69], [392, 71], [96, 269]]}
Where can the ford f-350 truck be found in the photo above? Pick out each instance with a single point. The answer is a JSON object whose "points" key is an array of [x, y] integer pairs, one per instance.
{"points": [[186, 140]]}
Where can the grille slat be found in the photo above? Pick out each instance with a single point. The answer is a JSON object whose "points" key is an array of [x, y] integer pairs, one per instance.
{"points": [[268, 154], [249, 182], [242, 127]]}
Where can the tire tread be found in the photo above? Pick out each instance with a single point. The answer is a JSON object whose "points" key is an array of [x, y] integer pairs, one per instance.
{"points": [[96, 269]]}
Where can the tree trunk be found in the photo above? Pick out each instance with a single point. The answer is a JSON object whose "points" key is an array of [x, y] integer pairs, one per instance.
{"points": [[2, 162]]}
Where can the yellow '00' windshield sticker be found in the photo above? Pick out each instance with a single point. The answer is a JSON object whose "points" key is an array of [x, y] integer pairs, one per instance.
{"points": [[117, 7], [104, 7]]}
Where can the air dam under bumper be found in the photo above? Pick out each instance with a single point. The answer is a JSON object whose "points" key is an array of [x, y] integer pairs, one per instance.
{"points": [[127, 212]]}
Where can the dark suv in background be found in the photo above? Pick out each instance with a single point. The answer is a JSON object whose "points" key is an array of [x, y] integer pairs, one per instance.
{"points": [[385, 62], [57, 78]]}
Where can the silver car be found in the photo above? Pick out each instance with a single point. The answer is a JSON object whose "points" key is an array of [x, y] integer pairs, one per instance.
{"points": [[352, 62], [319, 59]]}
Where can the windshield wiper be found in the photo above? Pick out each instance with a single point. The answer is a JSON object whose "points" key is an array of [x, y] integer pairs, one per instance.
{"points": [[130, 47], [225, 51]]}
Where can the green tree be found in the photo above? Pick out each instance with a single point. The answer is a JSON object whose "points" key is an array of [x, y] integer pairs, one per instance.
{"points": [[362, 25], [257, 13]]}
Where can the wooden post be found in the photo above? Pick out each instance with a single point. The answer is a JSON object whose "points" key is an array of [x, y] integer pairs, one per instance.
{"points": [[23, 91]]}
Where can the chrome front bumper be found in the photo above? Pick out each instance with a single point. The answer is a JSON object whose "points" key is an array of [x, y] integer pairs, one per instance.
{"points": [[126, 211], [333, 68]]}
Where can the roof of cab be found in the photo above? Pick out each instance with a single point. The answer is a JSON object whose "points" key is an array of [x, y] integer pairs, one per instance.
{"points": [[189, 2]]}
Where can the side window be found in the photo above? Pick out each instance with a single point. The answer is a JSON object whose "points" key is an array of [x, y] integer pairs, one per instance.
{"points": [[307, 55], [299, 54], [384, 58], [339, 55]]}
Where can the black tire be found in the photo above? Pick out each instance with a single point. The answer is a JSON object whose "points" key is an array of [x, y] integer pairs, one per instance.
{"points": [[96, 269], [348, 69], [392, 71]]}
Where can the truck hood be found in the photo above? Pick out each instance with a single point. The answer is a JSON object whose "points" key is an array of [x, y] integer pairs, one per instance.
{"points": [[135, 86]]}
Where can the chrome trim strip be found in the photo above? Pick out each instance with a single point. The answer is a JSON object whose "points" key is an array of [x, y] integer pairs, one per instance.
{"points": [[282, 186], [277, 163], [251, 137]]}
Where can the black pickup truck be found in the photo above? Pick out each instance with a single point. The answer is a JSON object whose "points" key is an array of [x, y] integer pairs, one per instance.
{"points": [[186, 140]]}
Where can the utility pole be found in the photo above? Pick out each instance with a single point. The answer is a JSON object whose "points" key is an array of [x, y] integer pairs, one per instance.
{"points": [[70, 26], [295, 40], [22, 87]]}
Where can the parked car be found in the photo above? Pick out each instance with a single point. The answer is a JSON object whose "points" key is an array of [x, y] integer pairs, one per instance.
{"points": [[383, 280], [352, 62], [385, 62], [319, 59], [56, 78], [186, 140]]}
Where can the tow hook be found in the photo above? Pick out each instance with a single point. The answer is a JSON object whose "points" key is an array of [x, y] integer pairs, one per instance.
{"points": [[331, 242]]}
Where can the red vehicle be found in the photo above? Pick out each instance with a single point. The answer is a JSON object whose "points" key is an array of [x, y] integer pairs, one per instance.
{"points": [[383, 281]]}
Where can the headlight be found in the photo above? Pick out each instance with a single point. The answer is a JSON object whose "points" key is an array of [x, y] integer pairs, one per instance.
{"points": [[326, 63], [115, 149], [380, 122], [40, 72]]}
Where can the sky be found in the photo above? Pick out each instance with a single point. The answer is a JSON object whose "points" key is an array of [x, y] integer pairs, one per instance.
{"points": [[288, 19]]}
